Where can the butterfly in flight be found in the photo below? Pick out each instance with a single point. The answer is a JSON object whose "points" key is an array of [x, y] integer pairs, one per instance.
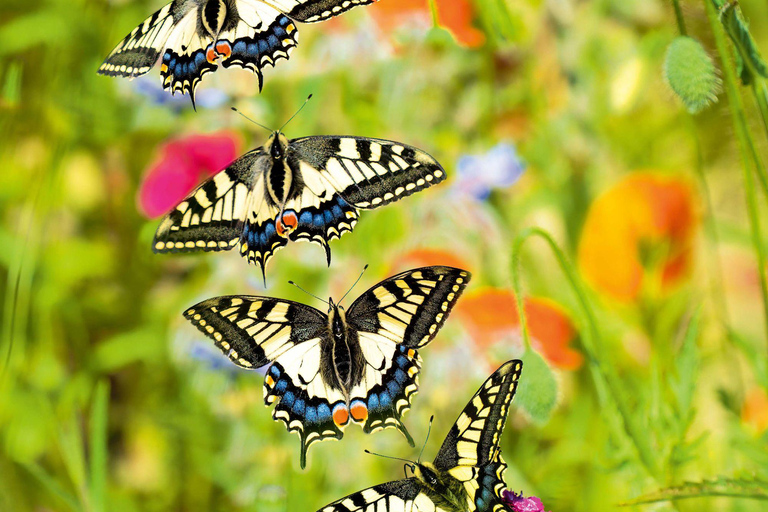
{"points": [[327, 371], [195, 36], [468, 472], [309, 188]]}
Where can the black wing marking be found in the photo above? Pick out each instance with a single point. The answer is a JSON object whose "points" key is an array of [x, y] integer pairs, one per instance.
{"points": [[255, 331], [409, 308], [473, 441], [396, 496], [139, 51], [311, 11], [368, 173], [212, 217]]}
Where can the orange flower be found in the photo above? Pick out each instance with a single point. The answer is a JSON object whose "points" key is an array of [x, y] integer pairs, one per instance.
{"points": [[643, 223], [754, 411], [491, 315], [454, 15]]}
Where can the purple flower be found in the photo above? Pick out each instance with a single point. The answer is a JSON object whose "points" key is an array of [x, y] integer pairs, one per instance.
{"points": [[519, 503], [151, 87], [499, 168]]}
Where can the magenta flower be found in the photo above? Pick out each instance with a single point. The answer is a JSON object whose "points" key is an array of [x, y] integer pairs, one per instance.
{"points": [[519, 503], [181, 165]]}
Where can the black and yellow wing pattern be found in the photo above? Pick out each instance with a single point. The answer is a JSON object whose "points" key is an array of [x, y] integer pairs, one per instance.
{"points": [[328, 370], [192, 37], [468, 472], [313, 193]]}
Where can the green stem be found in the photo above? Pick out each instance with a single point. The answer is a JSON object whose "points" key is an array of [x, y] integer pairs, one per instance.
{"points": [[602, 371], [761, 97], [679, 18], [746, 146]]}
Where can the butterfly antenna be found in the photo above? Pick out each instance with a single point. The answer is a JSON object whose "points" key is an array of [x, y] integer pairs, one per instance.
{"points": [[251, 120], [297, 112], [429, 431], [305, 291], [355, 283], [408, 462]]}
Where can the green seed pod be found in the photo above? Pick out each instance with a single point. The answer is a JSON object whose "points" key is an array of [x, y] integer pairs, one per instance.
{"points": [[691, 74]]}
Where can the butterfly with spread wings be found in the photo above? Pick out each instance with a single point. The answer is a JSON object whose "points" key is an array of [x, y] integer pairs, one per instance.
{"points": [[359, 365], [287, 190], [468, 472], [194, 36]]}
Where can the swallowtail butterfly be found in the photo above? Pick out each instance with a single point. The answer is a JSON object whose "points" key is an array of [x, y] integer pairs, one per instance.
{"points": [[195, 36], [467, 475], [327, 371], [287, 190]]}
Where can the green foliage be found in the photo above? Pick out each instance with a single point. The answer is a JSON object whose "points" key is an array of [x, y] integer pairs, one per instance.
{"points": [[745, 488], [537, 392], [749, 60], [691, 74]]}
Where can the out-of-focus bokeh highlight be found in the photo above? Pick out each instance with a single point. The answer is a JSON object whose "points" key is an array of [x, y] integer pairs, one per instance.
{"points": [[547, 114]]}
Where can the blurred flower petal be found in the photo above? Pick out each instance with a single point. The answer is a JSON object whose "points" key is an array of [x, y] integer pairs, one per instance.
{"points": [[519, 503], [181, 165], [491, 314], [754, 412], [429, 257], [642, 223], [454, 15], [478, 175]]}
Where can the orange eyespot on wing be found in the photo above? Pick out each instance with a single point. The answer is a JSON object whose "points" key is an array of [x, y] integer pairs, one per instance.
{"points": [[359, 411], [340, 414], [287, 223]]}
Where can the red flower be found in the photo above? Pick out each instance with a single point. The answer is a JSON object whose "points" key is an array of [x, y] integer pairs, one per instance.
{"points": [[182, 164], [454, 15], [491, 314]]}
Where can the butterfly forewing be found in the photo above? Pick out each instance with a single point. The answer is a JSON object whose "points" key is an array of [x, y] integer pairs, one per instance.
{"points": [[212, 217], [411, 307], [369, 173], [254, 331], [470, 452], [140, 50], [397, 496], [311, 11]]}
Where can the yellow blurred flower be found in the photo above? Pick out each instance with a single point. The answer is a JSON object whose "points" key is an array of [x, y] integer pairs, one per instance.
{"points": [[643, 224]]}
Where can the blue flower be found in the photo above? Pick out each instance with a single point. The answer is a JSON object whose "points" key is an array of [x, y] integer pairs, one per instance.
{"points": [[479, 175], [150, 87]]}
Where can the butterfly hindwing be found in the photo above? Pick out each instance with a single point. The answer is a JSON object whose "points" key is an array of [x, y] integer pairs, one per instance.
{"points": [[368, 173], [211, 218]]}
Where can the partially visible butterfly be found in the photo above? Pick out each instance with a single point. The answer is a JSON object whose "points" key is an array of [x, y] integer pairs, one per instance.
{"points": [[468, 472], [302, 189], [326, 371], [194, 36]]}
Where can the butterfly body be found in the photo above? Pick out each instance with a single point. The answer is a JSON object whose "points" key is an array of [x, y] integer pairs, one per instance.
{"points": [[192, 37], [309, 189], [468, 473], [325, 371]]}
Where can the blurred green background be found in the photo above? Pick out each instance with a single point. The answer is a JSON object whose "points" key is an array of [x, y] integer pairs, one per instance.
{"points": [[552, 114]]}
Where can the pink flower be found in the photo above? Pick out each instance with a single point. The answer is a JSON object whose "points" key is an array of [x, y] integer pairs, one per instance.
{"points": [[180, 166], [519, 503]]}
